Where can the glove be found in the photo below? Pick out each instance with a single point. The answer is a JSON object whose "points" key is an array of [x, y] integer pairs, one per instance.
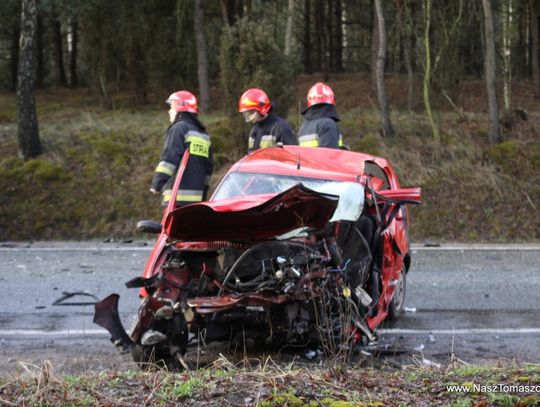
{"points": [[154, 191]]}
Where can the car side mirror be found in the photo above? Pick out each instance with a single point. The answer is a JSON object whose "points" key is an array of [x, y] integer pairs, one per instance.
{"points": [[402, 195], [149, 226]]}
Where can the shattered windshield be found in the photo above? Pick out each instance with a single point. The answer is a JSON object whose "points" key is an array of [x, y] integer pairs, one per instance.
{"points": [[248, 183], [351, 194]]}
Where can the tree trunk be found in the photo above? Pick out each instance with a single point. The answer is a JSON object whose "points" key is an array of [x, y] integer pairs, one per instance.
{"points": [[330, 48], [534, 44], [327, 51], [104, 94], [427, 76], [14, 56], [405, 34], [40, 68], [521, 66], [319, 32], [307, 37], [388, 129], [493, 134], [27, 132], [202, 57], [247, 8], [138, 73], [232, 10], [338, 37], [374, 47], [60, 72], [224, 12], [74, 52], [289, 28], [507, 17]]}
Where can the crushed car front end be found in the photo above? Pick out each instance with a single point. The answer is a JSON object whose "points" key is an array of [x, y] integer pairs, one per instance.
{"points": [[291, 249]]}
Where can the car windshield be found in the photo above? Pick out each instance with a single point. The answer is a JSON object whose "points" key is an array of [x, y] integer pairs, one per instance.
{"points": [[249, 183], [351, 194]]}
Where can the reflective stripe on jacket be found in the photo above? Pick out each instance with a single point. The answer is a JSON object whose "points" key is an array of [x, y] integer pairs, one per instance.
{"points": [[270, 131], [187, 132], [184, 195], [313, 140], [320, 128]]}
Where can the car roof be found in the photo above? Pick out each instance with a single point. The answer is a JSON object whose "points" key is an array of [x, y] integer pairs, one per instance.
{"points": [[323, 163]]}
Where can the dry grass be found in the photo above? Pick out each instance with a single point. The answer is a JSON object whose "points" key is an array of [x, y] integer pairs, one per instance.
{"points": [[472, 191], [266, 383]]}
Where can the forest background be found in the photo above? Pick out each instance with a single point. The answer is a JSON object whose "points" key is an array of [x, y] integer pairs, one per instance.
{"points": [[447, 91]]}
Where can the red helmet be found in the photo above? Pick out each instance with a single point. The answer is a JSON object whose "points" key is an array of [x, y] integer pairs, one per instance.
{"points": [[254, 99], [183, 101], [320, 93]]}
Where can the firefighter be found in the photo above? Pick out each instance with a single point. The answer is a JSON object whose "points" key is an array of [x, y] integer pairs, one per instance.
{"points": [[186, 133], [320, 128], [268, 128]]}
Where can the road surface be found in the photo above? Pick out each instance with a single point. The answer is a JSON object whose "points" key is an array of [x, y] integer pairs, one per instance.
{"points": [[477, 303]]}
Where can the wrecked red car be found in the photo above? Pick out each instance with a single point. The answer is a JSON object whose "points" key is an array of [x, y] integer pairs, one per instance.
{"points": [[297, 246]]}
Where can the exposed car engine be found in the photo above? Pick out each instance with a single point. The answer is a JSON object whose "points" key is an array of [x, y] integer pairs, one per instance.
{"points": [[292, 257]]}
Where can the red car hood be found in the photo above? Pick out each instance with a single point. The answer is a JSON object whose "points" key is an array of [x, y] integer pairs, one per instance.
{"points": [[251, 217]]}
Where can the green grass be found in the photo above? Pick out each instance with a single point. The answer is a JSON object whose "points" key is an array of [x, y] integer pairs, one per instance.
{"points": [[269, 386], [92, 180], [467, 371], [180, 389]]}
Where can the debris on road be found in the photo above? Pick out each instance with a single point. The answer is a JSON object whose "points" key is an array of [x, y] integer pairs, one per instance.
{"points": [[66, 295]]}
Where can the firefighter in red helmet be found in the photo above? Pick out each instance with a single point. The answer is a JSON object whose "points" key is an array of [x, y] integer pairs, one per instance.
{"points": [[268, 128], [186, 133], [320, 128]]}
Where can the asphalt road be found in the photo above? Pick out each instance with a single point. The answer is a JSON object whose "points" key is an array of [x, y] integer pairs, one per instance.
{"points": [[477, 303]]}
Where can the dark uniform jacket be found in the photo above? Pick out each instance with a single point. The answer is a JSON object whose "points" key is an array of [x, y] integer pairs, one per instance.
{"points": [[186, 133], [320, 127], [270, 131]]}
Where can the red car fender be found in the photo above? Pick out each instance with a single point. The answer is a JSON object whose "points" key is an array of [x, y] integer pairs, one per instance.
{"points": [[157, 257]]}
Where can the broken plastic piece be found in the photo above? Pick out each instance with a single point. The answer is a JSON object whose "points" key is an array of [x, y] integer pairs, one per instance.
{"points": [[66, 295], [312, 354], [152, 337], [165, 312], [427, 362]]}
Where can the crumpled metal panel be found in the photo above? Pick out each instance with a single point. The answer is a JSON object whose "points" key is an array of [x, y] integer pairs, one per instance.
{"points": [[253, 217]]}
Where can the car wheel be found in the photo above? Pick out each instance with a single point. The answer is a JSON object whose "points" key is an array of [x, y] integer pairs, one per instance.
{"points": [[397, 305], [150, 358], [163, 351]]}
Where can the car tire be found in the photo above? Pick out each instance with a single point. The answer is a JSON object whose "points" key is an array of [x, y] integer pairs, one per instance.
{"points": [[152, 358], [163, 355], [397, 305]]}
